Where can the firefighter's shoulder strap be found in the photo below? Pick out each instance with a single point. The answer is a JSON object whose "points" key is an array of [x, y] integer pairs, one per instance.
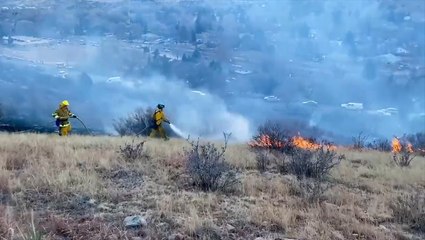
{"points": [[155, 113]]}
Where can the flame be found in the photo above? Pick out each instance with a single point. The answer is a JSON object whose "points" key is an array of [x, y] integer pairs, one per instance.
{"points": [[303, 143], [396, 145], [266, 141]]}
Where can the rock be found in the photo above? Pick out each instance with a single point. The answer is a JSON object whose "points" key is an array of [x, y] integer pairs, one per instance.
{"points": [[91, 201], [383, 227], [176, 236], [104, 207], [259, 238], [135, 221], [230, 228], [136, 238]]}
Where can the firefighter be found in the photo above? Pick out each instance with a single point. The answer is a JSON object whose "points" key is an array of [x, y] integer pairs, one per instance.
{"points": [[62, 116], [157, 118]]}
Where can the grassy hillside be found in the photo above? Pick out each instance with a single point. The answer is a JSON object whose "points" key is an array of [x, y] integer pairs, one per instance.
{"points": [[84, 188]]}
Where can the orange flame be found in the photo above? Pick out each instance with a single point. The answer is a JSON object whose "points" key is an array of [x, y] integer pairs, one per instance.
{"points": [[303, 143], [396, 145], [266, 141]]}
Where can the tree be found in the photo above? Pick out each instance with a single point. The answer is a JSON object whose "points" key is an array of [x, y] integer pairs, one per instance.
{"points": [[196, 55], [215, 65], [204, 21], [193, 36], [2, 33], [182, 33], [156, 53]]}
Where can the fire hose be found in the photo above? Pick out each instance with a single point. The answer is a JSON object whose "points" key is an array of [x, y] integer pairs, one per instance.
{"points": [[147, 126], [84, 125]]}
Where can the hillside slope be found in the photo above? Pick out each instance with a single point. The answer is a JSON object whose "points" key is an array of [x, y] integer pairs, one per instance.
{"points": [[83, 188]]}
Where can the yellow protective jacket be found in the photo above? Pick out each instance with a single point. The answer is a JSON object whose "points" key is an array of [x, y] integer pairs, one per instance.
{"points": [[62, 115], [159, 117]]}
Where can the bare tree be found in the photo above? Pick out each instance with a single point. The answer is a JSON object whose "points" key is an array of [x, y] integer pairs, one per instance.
{"points": [[359, 141]]}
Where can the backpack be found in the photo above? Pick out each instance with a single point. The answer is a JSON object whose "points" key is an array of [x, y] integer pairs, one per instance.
{"points": [[153, 121]]}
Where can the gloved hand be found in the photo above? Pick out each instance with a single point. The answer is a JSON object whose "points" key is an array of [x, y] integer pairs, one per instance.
{"points": [[167, 121], [74, 116]]}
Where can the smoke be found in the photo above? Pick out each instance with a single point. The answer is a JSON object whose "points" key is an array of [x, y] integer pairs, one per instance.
{"points": [[202, 115], [310, 56], [336, 52], [196, 113]]}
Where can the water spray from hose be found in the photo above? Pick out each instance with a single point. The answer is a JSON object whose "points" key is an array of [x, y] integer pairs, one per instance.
{"points": [[178, 131]]}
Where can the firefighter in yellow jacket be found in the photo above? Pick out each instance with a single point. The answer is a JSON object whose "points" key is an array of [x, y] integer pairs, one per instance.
{"points": [[158, 117], [62, 116]]}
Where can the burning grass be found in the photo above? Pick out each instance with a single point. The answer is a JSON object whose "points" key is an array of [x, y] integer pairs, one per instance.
{"points": [[82, 188], [268, 142]]}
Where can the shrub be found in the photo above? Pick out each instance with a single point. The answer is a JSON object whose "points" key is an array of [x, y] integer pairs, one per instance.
{"points": [[281, 161], [418, 142], [383, 145], [311, 168], [271, 135], [301, 163], [403, 159], [274, 144], [263, 159], [130, 152], [274, 130], [135, 123], [138, 123], [312, 190], [409, 209], [207, 167], [313, 163], [403, 153]]}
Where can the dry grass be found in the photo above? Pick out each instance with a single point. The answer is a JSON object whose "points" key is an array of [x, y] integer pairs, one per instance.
{"points": [[81, 188]]}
